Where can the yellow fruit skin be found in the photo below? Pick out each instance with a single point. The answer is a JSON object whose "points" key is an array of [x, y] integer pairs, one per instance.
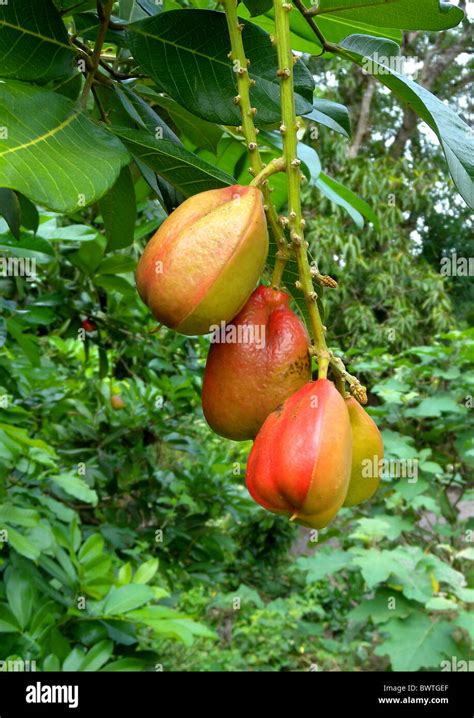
{"points": [[202, 264], [367, 454]]}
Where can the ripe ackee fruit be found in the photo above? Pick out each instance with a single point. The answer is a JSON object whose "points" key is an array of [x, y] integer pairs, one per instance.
{"points": [[254, 364], [117, 402], [204, 261], [88, 326], [367, 455], [300, 463]]}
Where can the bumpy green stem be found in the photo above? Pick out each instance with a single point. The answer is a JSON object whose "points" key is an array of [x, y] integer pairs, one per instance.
{"points": [[296, 223], [357, 389], [276, 165], [250, 132], [342, 376]]}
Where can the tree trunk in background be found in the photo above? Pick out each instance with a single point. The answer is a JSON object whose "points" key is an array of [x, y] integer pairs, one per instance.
{"points": [[363, 123]]}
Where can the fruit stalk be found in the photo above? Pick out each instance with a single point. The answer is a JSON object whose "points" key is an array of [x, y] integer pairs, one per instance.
{"points": [[288, 129], [250, 132]]}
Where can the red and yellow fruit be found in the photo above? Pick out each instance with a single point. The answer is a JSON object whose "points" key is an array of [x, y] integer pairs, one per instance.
{"points": [[300, 463], [205, 259], [117, 402], [367, 455], [254, 365]]}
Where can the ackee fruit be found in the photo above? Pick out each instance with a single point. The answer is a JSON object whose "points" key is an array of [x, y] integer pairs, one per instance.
{"points": [[300, 463], [202, 264], [367, 455], [117, 402], [88, 325], [254, 364]]}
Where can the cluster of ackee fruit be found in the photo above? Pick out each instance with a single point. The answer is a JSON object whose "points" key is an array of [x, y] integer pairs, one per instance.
{"points": [[199, 271]]}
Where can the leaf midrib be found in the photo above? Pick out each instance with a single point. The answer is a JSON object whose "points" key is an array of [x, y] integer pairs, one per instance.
{"points": [[25, 31], [44, 137], [345, 8]]}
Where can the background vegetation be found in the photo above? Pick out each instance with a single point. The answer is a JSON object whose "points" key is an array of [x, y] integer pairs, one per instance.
{"points": [[127, 538]]}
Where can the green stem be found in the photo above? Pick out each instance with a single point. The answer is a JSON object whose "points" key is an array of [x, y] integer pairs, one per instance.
{"points": [[276, 165], [99, 43], [308, 16], [356, 388], [296, 223], [250, 132], [342, 376]]}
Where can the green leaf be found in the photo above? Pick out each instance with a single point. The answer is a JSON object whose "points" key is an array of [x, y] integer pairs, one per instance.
{"points": [[466, 553], [117, 264], [124, 574], [385, 605], [444, 573], [75, 486], [27, 342], [197, 42], [180, 167], [434, 406], [21, 436], [439, 603], [258, 7], [332, 115], [324, 563], [333, 28], [380, 527], [464, 620], [154, 614], [176, 630], [51, 663], [18, 516], [86, 25], [8, 622], [70, 233], [399, 567], [115, 284], [91, 549], [20, 595], [89, 255], [204, 135], [402, 14], [119, 212], [146, 571], [344, 197], [52, 152], [103, 363], [127, 110], [34, 44], [23, 545], [74, 659], [416, 642], [10, 210], [126, 598], [126, 664], [97, 656], [456, 138]]}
